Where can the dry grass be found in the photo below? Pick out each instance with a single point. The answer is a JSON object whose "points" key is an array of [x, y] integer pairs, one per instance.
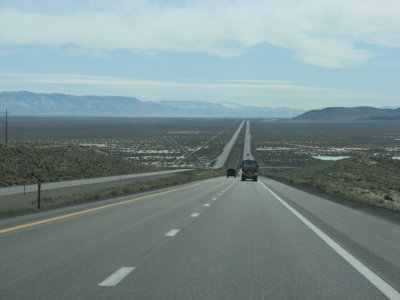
{"points": [[22, 163], [372, 180]]}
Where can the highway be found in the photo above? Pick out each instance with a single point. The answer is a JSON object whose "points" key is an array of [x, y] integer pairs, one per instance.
{"points": [[214, 239], [221, 159], [247, 143], [14, 190], [219, 163]]}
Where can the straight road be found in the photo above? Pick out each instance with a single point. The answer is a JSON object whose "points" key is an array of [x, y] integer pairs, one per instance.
{"points": [[215, 239], [221, 159], [247, 144]]}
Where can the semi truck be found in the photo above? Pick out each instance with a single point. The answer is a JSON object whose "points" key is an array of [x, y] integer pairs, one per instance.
{"points": [[249, 170]]}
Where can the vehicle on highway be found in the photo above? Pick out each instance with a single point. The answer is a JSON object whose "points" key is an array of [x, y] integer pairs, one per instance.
{"points": [[249, 170], [230, 172]]}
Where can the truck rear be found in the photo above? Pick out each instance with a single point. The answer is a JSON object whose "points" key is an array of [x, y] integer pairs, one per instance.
{"points": [[249, 170]]}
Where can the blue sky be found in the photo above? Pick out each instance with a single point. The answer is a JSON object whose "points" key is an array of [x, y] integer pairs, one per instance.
{"points": [[300, 54]]}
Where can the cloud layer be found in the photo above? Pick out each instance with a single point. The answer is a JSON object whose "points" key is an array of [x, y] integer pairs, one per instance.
{"points": [[118, 81], [255, 92], [333, 34]]}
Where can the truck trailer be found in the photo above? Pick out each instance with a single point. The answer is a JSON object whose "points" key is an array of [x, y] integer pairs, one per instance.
{"points": [[249, 170]]}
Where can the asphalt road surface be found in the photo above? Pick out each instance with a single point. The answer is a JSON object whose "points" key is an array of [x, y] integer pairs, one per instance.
{"points": [[247, 144], [14, 190], [221, 159], [215, 239]]}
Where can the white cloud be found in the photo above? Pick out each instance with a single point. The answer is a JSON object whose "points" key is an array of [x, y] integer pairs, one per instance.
{"points": [[79, 79], [323, 33], [249, 92]]}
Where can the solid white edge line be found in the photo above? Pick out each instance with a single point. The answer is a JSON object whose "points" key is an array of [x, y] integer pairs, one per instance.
{"points": [[116, 277], [194, 215], [378, 282], [172, 232]]}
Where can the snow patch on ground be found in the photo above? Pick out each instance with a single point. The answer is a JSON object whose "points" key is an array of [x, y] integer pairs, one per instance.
{"points": [[321, 157]]}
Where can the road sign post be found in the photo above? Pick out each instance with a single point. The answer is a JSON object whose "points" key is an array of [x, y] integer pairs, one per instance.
{"points": [[39, 183]]}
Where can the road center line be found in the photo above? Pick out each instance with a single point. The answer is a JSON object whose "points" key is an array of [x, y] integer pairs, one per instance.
{"points": [[378, 282], [95, 209], [194, 215], [116, 277], [172, 232]]}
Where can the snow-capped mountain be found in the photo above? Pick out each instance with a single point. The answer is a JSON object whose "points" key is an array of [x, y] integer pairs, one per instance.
{"points": [[38, 104]]}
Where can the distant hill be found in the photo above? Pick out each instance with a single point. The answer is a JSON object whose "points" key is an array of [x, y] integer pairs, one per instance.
{"points": [[349, 114], [38, 104]]}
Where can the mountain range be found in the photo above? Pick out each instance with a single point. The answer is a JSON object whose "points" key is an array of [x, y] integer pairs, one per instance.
{"points": [[62, 105], [38, 104], [350, 114]]}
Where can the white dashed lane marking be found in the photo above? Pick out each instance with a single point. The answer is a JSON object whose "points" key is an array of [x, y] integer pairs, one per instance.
{"points": [[172, 232], [207, 204], [214, 199], [116, 277], [194, 215]]}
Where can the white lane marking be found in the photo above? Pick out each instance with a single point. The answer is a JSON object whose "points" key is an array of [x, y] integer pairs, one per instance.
{"points": [[207, 204], [223, 192], [214, 199], [219, 194], [172, 232], [116, 277], [194, 215], [378, 282]]}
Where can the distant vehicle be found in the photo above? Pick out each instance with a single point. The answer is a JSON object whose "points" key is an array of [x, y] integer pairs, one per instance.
{"points": [[249, 170], [230, 172]]}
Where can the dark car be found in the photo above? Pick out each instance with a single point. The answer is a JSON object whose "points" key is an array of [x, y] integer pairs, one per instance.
{"points": [[231, 172]]}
